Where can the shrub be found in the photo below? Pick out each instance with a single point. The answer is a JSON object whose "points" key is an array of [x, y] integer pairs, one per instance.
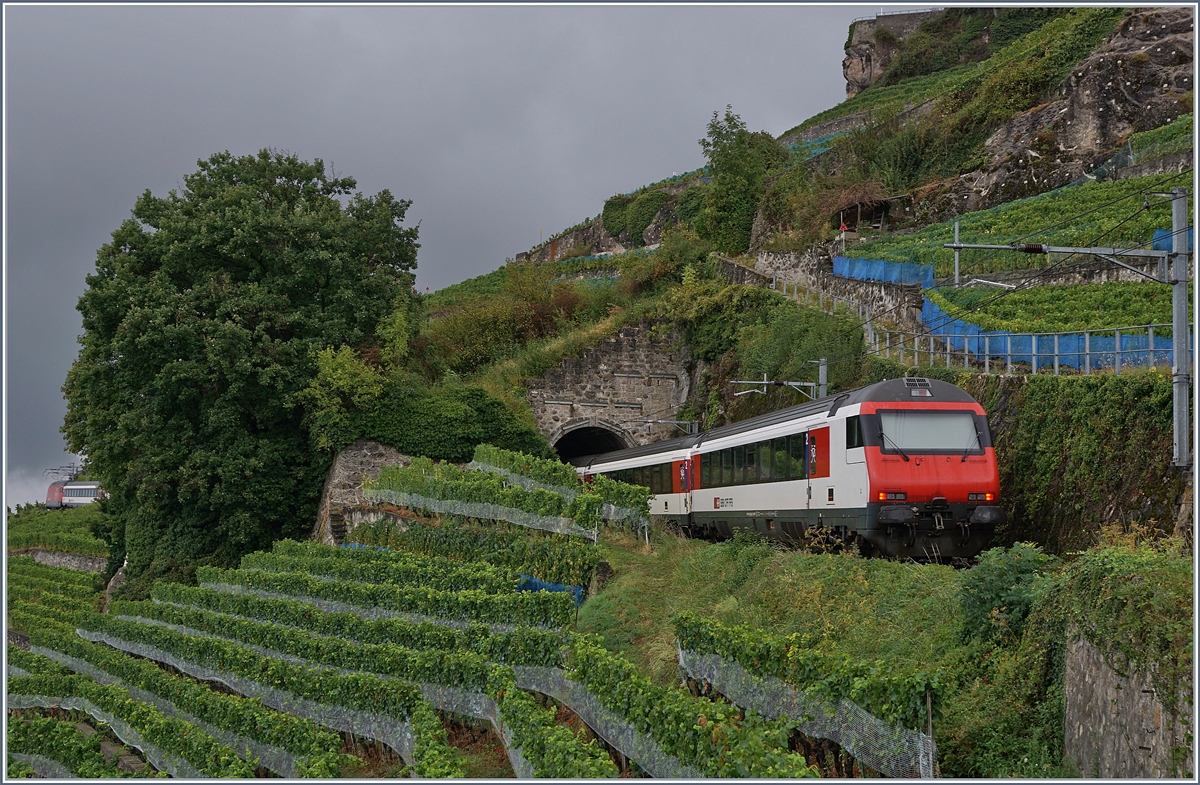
{"points": [[613, 218], [998, 593], [640, 214]]}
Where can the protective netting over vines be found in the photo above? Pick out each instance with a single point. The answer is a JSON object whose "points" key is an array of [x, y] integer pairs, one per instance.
{"points": [[394, 733], [635, 745], [163, 761], [481, 511], [43, 766], [890, 749], [609, 512], [274, 758]]}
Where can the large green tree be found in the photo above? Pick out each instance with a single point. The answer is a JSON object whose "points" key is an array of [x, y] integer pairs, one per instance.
{"points": [[739, 161], [202, 324]]}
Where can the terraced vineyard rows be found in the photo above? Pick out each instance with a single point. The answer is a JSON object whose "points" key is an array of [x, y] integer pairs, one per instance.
{"points": [[417, 625], [316, 639]]}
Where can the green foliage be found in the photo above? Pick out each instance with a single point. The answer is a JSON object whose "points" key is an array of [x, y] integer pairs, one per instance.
{"points": [[67, 530], [998, 593], [900, 154], [446, 482], [739, 161], [552, 749], [344, 384], [443, 423], [60, 741], [1135, 604], [551, 558], [50, 584], [1060, 308], [690, 203], [614, 215], [1076, 216], [769, 333], [640, 214], [556, 473], [976, 98], [714, 737], [891, 693], [461, 669], [361, 691], [523, 646], [1174, 137], [952, 37], [399, 570], [550, 610], [170, 734], [464, 292], [202, 323], [315, 748], [25, 566], [1013, 23], [18, 770], [542, 470], [1073, 448]]}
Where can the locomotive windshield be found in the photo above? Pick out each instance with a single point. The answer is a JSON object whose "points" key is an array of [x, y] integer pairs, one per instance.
{"points": [[929, 431]]}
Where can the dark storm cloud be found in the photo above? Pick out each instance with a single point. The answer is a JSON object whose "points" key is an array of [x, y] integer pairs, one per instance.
{"points": [[496, 122]]}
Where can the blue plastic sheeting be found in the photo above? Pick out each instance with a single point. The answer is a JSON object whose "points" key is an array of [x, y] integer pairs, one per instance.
{"points": [[1099, 350], [530, 583], [879, 270], [526, 582], [1163, 241]]}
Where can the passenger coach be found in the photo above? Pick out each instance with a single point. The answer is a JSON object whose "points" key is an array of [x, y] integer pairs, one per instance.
{"points": [[903, 467]]}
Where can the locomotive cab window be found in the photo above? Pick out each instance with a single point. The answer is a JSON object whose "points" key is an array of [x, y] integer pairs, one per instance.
{"points": [[929, 431]]}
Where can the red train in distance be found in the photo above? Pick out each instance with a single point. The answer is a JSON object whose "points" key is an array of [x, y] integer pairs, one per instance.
{"points": [[72, 493], [903, 468]]}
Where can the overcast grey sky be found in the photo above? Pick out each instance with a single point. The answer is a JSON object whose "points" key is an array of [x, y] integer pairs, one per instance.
{"points": [[496, 122]]}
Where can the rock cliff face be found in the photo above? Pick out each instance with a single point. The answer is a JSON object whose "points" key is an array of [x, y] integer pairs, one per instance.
{"points": [[872, 44], [1139, 79]]}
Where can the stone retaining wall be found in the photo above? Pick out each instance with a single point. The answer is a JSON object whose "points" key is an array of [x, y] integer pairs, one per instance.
{"points": [[897, 305], [1116, 726], [343, 487], [71, 561]]}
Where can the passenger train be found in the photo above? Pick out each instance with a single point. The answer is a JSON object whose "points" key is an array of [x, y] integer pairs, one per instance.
{"points": [[902, 468], [72, 493]]}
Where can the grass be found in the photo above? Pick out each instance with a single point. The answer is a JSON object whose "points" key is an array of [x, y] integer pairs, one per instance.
{"points": [[870, 609]]}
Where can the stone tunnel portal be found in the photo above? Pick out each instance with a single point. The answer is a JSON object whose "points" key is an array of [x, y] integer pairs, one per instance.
{"points": [[590, 440]]}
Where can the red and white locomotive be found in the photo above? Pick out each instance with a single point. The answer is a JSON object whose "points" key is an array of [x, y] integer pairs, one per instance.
{"points": [[72, 493], [903, 467]]}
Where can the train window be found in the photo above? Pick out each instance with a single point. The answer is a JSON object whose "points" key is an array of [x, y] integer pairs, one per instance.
{"points": [[766, 466], [706, 470], [726, 466], [779, 453], [664, 478], [798, 455], [854, 434], [739, 465], [751, 463], [656, 479]]}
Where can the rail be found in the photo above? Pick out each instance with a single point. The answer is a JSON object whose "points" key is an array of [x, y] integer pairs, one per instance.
{"points": [[1117, 349]]}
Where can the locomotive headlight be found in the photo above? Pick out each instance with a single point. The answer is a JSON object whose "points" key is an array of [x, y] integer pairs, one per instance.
{"points": [[981, 497], [892, 496]]}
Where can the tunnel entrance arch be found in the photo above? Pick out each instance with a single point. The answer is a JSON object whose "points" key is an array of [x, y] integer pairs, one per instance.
{"points": [[589, 436]]}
